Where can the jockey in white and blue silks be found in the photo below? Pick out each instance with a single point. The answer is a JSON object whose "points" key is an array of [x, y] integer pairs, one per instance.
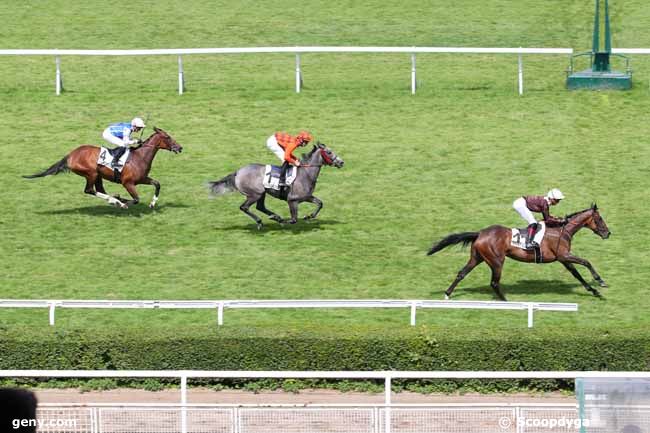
{"points": [[119, 134]]}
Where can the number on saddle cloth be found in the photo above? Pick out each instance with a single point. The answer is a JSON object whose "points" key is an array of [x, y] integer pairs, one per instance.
{"points": [[105, 158], [271, 178], [520, 236]]}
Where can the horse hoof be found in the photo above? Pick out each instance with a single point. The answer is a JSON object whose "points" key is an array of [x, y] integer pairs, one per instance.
{"points": [[307, 217], [602, 283], [152, 205], [446, 297], [260, 226]]}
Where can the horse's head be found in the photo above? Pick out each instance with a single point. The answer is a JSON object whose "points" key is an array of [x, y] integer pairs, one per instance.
{"points": [[328, 156], [597, 224], [165, 141]]}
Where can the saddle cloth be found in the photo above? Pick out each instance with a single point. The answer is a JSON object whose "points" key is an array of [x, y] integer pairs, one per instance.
{"points": [[106, 158], [519, 236], [272, 176]]}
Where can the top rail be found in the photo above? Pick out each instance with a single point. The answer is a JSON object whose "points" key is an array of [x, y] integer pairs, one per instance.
{"points": [[248, 50], [296, 50], [221, 305]]}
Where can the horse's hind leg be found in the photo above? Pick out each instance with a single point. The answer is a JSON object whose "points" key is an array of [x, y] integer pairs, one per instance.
{"points": [[496, 264], [99, 185], [262, 208], [246, 205], [95, 182], [474, 260]]}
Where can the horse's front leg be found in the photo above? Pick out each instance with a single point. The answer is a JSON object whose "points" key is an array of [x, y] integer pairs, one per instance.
{"points": [[293, 208], [578, 277], [319, 206], [587, 264], [156, 194], [130, 187]]}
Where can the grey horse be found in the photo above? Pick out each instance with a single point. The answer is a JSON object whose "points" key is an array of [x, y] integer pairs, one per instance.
{"points": [[248, 181]]}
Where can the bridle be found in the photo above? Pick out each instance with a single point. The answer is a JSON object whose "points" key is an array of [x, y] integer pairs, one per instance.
{"points": [[324, 155]]}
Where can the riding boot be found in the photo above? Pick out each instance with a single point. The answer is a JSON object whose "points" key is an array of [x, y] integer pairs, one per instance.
{"points": [[532, 229], [118, 152], [283, 173]]}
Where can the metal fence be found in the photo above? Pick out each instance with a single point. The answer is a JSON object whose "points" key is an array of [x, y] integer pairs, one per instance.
{"points": [[297, 51], [321, 418], [220, 305], [374, 418]]}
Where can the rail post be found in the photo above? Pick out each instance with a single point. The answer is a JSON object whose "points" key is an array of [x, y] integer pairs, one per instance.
{"points": [[520, 68], [59, 80], [181, 80], [298, 74], [413, 75]]}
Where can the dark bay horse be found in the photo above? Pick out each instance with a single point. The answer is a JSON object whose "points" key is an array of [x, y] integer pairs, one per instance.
{"points": [[248, 181], [492, 245], [83, 161]]}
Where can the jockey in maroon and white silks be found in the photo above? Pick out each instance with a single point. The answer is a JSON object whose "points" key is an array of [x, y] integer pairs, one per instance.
{"points": [[526, 205]]}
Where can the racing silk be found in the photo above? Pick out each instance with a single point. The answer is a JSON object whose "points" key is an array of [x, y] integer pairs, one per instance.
{"points": [[122, 131], [288, 143], [538, 203]]}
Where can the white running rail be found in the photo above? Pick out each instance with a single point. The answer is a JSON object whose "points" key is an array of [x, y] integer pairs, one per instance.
{"points": [[389, 411], [221, 305], [297, 51]]}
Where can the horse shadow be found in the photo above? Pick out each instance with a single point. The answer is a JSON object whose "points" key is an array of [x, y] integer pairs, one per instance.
{"points": [[528, 287], [302, 226], [137, 210]]}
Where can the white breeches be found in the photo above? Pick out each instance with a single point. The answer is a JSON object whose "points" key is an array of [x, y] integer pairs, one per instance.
{"points": [[106, 135], [274, 147], [520, 206]]}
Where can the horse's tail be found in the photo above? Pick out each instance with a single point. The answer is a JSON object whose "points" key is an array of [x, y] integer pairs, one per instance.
{"points": [[222, 186], [59, 167], [466, 238]]}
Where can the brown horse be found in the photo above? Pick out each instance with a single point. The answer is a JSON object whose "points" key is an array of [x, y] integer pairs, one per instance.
{"points": [[83, 161], [492, 245]]}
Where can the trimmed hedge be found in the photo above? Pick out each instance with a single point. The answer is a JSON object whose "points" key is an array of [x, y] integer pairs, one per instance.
{"points": [[255, 349]]}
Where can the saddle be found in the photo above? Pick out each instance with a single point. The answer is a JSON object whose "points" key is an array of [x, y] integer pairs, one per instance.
{"points": [[520, 239], [271, 178], [106, 158]]}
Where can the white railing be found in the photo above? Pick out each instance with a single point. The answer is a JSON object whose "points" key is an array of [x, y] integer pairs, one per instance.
{"points": [[293, 50], [389, 417], [312, 418], [221, 305], [630, 50]]}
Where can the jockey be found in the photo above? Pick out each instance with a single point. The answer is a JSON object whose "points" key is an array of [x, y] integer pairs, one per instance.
{"points": [[536, 203], [119, 134], [283, 145]]}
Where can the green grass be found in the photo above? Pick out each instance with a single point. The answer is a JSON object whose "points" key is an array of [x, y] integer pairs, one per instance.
{"points": [[451, 158]]}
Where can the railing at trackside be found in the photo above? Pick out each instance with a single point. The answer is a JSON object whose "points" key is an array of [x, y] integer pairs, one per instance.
{"points": [[221, 305], [387, 418], [297, 51], [321, 418]]}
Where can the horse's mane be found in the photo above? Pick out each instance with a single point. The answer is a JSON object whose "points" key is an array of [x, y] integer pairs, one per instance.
{"points": [[579, 212], [306, 156]]}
